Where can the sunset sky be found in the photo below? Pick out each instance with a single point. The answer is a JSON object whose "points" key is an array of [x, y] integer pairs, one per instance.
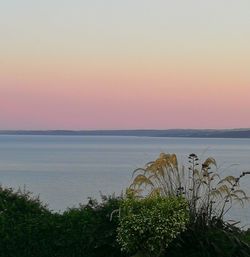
{"points": [[124, 64]]}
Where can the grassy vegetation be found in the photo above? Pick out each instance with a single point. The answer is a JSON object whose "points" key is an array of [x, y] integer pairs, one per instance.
{"points": [[168, 211], [209, 196]]}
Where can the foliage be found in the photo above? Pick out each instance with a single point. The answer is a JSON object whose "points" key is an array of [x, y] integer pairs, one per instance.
{"points": [[146, 224], [207, 194], [19, 203], [149, 225], [245, 236], [90, 231], [25, 224], [28, 228], [216, 239], [209, 198]]}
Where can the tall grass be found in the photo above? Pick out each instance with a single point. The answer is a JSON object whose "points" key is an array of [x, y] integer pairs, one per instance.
{"points": [[209, 196]]}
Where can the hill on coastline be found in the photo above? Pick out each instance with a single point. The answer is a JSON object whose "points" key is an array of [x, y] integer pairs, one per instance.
{"points": [[193, 133]]}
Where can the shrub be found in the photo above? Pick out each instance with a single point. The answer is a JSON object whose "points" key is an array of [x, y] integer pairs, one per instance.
{"points": [[90, 231], [25, 225], [19, 203], [209, 198], [28, 228], [149, 225]]}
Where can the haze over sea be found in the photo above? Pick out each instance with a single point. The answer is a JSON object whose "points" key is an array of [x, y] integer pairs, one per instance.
{"points": [[65, 170]]}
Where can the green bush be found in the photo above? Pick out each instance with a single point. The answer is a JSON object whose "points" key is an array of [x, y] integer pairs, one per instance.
{"points": [[29, 229], [25, 224], [90, 231], [148, 225]]}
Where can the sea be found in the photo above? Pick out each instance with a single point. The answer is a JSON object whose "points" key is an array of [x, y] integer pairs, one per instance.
{"points": [[65, 171]]}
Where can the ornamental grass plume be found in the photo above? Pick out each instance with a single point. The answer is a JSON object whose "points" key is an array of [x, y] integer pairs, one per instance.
{"points": [[208, 195]]}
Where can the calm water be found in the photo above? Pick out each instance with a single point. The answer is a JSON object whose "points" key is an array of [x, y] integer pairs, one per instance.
{"points": [[65, 170]]}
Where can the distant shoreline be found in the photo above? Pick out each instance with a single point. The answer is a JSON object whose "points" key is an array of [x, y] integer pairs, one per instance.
{"points": [[192, 133]]}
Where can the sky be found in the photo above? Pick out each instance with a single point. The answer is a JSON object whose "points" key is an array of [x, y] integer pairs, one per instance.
{"points": [[115, 64]]}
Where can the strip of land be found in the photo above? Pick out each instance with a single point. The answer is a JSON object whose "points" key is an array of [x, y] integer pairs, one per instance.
{"points": [[193, 133]]}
